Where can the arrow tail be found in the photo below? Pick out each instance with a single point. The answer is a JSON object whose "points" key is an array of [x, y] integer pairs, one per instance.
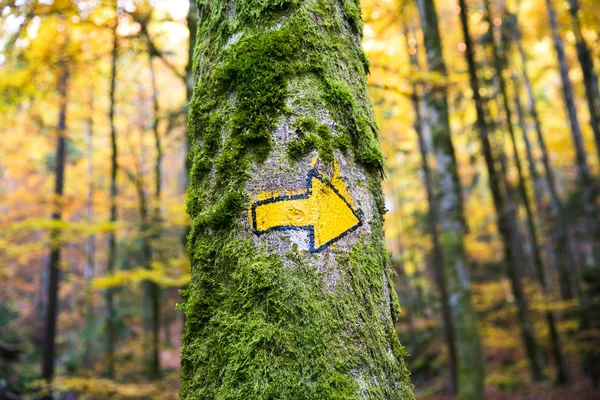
{"points": [[284, 213]]}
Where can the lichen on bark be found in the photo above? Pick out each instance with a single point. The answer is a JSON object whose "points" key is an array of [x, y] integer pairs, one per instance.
{"points": [[278, 83]]}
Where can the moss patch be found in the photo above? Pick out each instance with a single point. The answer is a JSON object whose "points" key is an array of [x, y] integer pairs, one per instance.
{"points": [[258, 330], [316, 136]]}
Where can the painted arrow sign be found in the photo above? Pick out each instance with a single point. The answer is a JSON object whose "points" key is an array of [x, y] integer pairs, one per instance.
{"points": [[321, 209]]}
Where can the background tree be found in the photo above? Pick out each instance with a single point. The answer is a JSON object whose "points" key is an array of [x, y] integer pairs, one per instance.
{"points": [[470, 361]]}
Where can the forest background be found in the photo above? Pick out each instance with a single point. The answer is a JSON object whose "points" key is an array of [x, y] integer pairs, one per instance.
{"points": [[100, 88]]}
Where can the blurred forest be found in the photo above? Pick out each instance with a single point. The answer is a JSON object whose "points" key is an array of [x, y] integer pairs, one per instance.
{"points": [[93, 111]]}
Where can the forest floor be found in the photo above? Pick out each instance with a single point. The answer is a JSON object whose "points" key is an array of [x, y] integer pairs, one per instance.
{"points": [[581, 389]]}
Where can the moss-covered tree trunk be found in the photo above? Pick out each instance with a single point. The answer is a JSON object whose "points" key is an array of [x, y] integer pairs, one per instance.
{"points": [[449, 201], [290, 295]]}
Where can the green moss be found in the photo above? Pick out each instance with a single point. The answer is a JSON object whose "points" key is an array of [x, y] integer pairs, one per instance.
{"points": [[277, 332], [352, 9], [260, 325], [315, 136]]}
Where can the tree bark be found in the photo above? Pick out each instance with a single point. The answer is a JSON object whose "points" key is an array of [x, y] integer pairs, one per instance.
{"points": [[112, 235], [505, 214], [280, 304], [49, 341], [451, 220]]}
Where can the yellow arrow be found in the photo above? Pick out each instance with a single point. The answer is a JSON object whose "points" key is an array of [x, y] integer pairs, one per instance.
{"points": [[321, 209]]}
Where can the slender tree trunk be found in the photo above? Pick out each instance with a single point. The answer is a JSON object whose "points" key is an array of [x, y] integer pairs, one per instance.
{"points": [[159, 151], [49, 343], [505, 215], [590, 79], [586, 182], [290, 278], [153, 232], [90, 243], [434, 222], [450, 219], [534, 176], [565, 257], [112, 234], [151, 288]]}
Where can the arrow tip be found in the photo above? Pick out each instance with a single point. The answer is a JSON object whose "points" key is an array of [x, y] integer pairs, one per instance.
{"points": [[336, 219]]}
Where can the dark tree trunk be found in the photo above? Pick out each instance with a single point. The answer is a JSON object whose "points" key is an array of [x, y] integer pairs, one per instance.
{"points": [[49, 343], [505, 214], [112, 235], [151, 288]]}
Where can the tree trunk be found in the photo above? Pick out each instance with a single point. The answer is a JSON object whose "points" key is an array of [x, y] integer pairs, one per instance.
{"points": [[434, 222], [534, 176], [153, 232], [505, 214], [590, 79], [290, 278], [451, 219], [586, 182], [49, 341], [90, 243], [112, 234]]}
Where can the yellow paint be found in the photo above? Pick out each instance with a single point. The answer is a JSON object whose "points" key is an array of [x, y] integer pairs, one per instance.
{"points": [[325, 207]]}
